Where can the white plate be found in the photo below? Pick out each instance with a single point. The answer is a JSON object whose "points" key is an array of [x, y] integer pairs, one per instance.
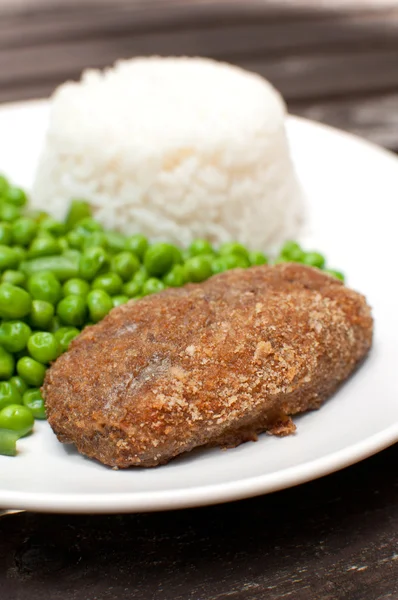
{"points": [[352, 188]]}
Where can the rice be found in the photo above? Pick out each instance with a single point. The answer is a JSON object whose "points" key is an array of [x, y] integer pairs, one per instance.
{"points": [[175, 148]]}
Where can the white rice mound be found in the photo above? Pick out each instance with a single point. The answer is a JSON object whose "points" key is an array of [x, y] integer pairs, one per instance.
{"points": [[176, 149]]}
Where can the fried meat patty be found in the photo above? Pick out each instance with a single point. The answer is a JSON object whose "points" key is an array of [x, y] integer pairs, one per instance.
{"points": [[207, 364]]}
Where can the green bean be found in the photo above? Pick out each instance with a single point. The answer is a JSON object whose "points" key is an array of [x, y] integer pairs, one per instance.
{"points": [[63, 267]]}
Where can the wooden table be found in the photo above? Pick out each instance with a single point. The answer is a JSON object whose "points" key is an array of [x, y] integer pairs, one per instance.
{"points": [[336, 538]]}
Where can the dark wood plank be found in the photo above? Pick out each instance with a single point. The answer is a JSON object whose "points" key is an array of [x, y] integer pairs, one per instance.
{"points": [[375, 117], [316, 57], [334, 539]]}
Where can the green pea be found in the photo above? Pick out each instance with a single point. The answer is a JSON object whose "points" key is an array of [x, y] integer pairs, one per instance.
{"points": [[5, 234], [63, 244], [198, 268], [14, 335], [125, 264], [88, 225], [16, 196], [78, 210], [159, 258], [9, 212], [15, 417], [44, 246], [257, 258], [19, 383], [31, 371], [138, 244], [41, 315], [9, 394], [92, 261], [313, 259], [72, 310], [96, 239], [8, 442], [152, 286], [233, 248], [20, 253], [62, 267], [292, 251], [43, 347], [4, 185], [64, 336], [176, 277], [23, 231], [116, 241], [236, 261], [119, 300], [99, 304], [224, 263], [52, 226], [54, 325], [8, 258], [14, 277], [75, 239], [132, 289], [76, 286], [33, 400], [141, 276], [110, 283], [45, 286], [337, 274], [200, 246], [15, 302]]}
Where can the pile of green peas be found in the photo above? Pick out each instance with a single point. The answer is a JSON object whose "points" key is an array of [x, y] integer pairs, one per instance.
{"points": [[58, 277]]}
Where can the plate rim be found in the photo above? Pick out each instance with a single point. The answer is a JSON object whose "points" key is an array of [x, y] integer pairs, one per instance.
{"points": [[134, 502], [202, 495]]}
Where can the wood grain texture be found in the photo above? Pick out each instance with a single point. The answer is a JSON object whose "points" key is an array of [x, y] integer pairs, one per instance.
{"points": [[331, 60], [334, 539]]}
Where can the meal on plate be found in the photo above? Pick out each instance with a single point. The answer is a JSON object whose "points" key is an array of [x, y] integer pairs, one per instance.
{"points": [[166, 199], [207, 364]]}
